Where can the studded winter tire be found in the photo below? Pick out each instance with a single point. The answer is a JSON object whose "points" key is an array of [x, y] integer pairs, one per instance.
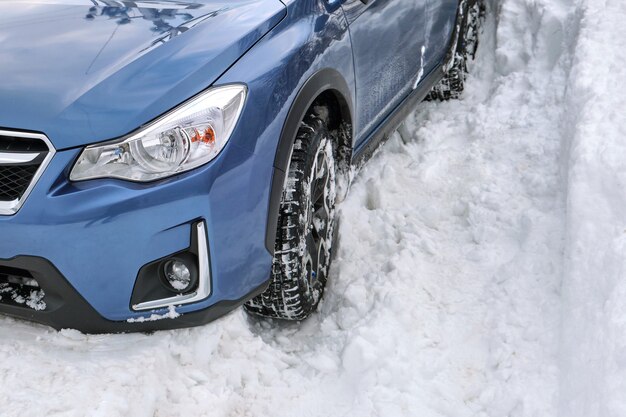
{"points": [[305, 227]]}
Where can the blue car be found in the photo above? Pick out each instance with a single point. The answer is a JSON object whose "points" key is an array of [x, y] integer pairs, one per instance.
{"points": [[163, 162]]}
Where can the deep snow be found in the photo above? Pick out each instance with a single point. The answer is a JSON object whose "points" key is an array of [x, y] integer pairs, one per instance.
{"points": [[480, 271]]}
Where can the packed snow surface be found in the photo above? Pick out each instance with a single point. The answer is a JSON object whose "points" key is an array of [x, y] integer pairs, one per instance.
{"points": [[481, 268]]}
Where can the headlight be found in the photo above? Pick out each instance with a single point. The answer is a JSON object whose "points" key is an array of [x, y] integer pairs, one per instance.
{"points": [[185, 138]]}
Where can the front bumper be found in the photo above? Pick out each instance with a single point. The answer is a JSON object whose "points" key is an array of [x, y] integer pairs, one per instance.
{"points": [[66, 308], [88, 240]]}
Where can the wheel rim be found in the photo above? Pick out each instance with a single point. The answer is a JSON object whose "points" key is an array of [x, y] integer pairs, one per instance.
{"points": [[319, 219]]}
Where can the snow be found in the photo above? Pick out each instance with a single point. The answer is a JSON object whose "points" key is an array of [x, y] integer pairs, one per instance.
{"points": [[171, 314], [480, 270], [594, 285]]}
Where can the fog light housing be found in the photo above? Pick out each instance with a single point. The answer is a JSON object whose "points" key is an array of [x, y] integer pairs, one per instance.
{"points": [[163, 283]]}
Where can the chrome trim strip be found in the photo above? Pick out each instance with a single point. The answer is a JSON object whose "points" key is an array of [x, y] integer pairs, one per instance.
{"points": [[8, 208], [17, 157], [204, 278]]}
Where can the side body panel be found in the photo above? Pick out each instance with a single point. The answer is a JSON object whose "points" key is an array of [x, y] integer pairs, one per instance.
{"points": [[387, 40], [439, 19]]}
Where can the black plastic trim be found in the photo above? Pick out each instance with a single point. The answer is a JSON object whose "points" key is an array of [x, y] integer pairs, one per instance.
{"points": [[322, 81], [151, 283], [66, 308]]}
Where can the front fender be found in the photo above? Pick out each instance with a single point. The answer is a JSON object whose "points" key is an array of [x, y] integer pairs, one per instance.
{"points": [[308, 52]]}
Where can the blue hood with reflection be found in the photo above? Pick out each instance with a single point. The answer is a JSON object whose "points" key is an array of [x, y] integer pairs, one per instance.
{"points": [[83, 71]]}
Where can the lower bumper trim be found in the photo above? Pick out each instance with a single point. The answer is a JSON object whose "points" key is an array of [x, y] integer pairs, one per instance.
{"points": [[66, 308]]}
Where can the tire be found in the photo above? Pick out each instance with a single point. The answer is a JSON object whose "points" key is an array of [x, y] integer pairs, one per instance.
{"points": [[452, 84], [305, 228]]}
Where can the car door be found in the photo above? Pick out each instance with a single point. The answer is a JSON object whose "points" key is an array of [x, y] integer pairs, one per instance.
{"points": [[387, 40], [440, 17]]}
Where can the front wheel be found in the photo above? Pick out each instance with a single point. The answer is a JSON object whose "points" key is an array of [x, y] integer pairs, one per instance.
{"points": [[305, 228]]}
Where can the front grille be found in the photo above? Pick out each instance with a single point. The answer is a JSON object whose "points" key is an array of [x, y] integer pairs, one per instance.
{"points": [[23, 157], [19, 288], [14, 180]]}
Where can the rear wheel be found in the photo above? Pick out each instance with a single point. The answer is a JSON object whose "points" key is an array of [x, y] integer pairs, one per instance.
{"points": [[305, 228], [452, 84]]}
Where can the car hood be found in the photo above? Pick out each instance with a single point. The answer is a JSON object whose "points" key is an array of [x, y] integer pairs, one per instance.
{"points": [[83, 71]]}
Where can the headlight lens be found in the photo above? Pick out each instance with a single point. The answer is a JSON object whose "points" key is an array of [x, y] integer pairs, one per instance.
{"points": [[185, 138]]}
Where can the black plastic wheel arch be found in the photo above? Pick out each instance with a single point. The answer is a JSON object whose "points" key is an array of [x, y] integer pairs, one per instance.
{"points": [[322, 81]]}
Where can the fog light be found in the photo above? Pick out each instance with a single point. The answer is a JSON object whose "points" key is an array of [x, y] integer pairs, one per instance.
{"points": [[178, 275]]}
